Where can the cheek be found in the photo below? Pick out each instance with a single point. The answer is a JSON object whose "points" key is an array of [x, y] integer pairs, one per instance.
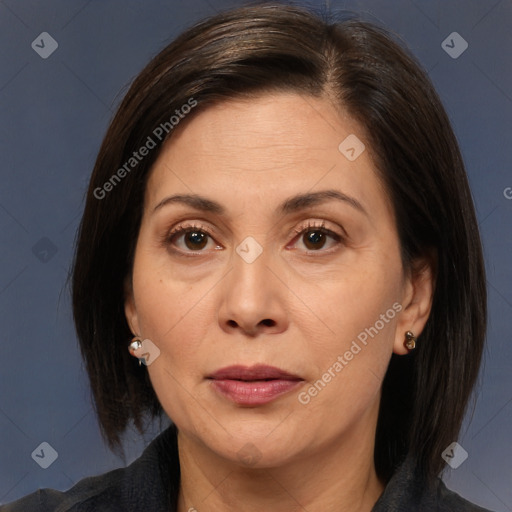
{"points": [[171, 312], [174, 315], [354, 300], [348, 367], [351, 351]]}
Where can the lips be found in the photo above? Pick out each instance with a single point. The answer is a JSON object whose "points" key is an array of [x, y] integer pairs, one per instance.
{"points": [[253, 386], [258, 372]]}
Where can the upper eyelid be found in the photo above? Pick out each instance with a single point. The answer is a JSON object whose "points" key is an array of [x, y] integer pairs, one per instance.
{"points": [[316, 225], [183, 225]]}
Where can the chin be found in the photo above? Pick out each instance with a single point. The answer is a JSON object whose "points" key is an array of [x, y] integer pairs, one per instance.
{"points": [[256, 449]]}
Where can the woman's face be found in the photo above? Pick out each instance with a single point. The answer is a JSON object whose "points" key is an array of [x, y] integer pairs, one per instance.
{"points": [[290, 260]]}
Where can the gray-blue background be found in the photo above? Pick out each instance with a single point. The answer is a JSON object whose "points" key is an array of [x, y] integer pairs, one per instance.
{"points": [[54, 113]]}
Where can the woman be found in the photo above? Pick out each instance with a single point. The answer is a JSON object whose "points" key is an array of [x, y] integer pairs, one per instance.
{"points": [[279, 225]]}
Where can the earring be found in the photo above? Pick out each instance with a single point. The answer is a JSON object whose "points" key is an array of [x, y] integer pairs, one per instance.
{"points": [[410, 340], [136, 344]]}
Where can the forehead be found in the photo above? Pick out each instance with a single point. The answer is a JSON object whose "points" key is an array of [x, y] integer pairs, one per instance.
{"points": [[267, 148]]}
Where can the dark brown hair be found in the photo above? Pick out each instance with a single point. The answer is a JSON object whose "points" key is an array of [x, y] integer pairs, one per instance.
{"points": [[360, 68]]}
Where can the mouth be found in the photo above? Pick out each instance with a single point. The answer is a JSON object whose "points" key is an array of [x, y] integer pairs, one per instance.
{"points": [[253, 386]]}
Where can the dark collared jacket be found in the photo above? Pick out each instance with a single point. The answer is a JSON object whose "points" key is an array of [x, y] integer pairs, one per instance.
{"points": [[151, 484]]}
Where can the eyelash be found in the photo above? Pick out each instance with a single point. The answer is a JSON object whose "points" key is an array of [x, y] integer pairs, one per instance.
{"points": [[319, 227], [310, 226]]}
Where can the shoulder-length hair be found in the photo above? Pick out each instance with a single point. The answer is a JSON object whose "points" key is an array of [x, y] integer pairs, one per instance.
{"points": [[360, 68]]}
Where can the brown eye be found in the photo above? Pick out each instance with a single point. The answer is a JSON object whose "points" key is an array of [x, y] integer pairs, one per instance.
{"points": [[189, 239], [314, 239], [195, 240]]}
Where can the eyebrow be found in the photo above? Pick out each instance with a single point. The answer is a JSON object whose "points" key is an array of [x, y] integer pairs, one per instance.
{"points": [[290, 205]]}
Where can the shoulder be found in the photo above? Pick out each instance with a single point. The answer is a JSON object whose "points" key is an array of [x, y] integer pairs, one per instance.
{"points": [[82, 497], [406, 491], [139, 486], [449, 501]]}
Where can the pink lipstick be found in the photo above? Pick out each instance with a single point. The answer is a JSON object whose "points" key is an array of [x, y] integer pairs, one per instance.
{"points": [[255, 385]]}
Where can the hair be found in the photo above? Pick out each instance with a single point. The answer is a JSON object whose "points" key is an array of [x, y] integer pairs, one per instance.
{"points": [[362, 69]]}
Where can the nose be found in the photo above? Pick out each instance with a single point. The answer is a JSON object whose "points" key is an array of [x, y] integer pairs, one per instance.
{"points": [[253, 298]]}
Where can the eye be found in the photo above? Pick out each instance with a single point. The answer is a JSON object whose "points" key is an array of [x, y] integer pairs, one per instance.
{"points": [[314, 236], [196, 238], [190, 238]]}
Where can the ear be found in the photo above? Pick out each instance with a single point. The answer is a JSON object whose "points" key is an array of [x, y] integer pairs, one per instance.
{"points": [[130, 310], [418, 292]]}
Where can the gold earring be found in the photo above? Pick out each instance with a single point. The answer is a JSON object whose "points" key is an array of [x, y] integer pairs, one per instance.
{"points": [[410, 340], [136, 344]]}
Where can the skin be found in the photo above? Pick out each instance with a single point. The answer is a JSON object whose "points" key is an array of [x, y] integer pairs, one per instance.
{"points": [[298, 306]]}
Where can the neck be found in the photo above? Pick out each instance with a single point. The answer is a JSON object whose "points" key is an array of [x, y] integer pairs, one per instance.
{"points": [[340, 477]]}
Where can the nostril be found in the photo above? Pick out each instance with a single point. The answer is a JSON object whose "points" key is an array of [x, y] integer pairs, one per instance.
{"points": [[268, 322]]}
